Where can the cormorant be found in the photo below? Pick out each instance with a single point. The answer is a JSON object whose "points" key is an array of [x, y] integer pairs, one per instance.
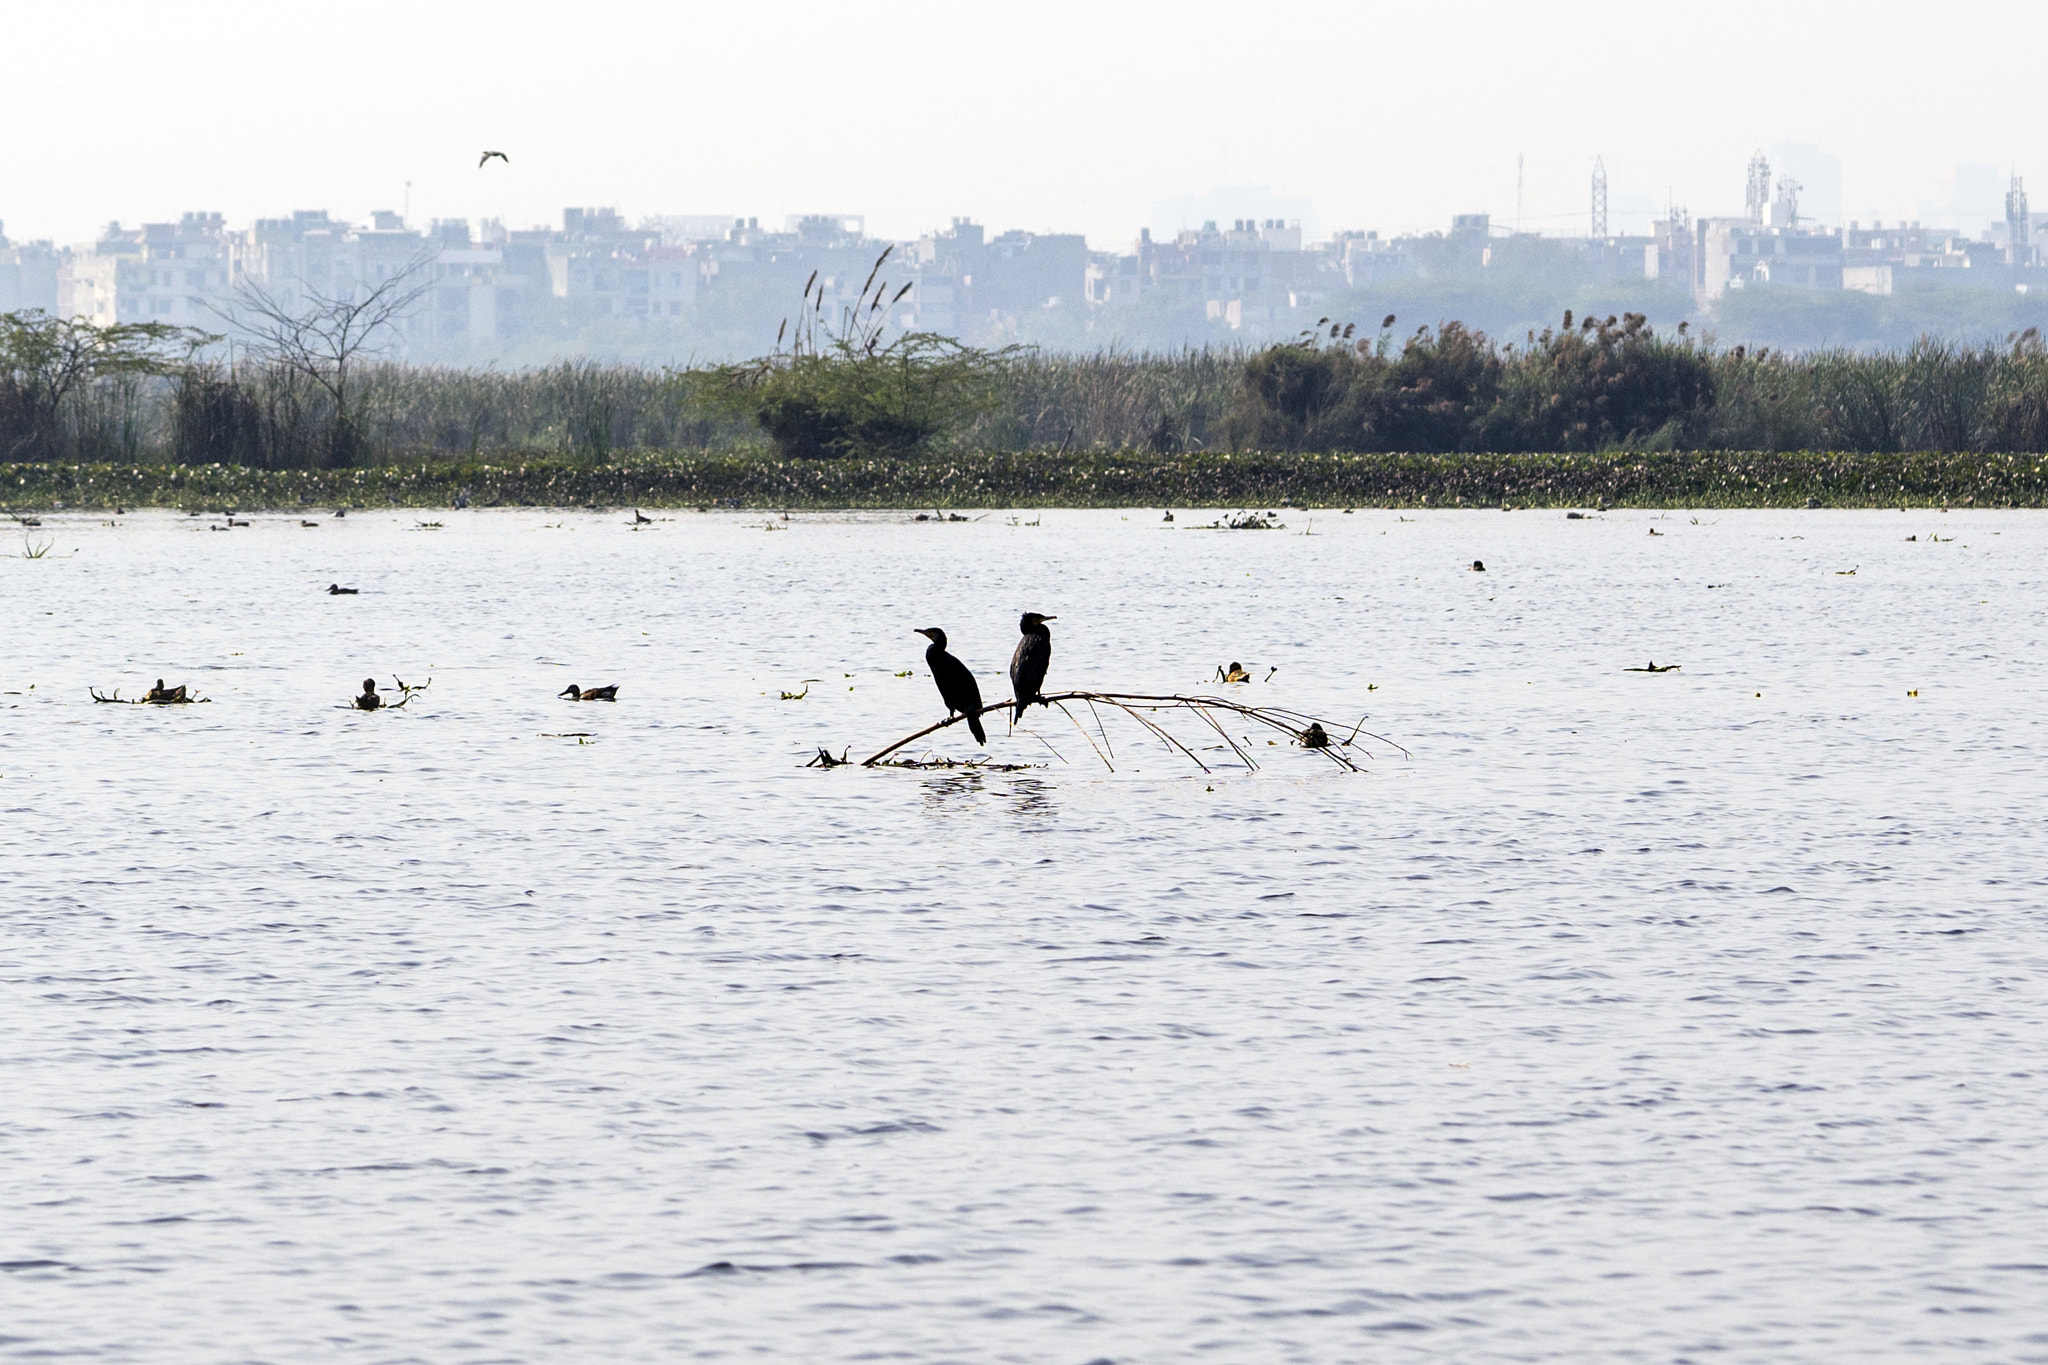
{"points": [[161, 694], [488, 155], [957, 687], [1028, 664], [610, 693], [369, 701]]}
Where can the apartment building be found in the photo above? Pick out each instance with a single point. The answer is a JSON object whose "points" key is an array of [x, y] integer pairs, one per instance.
{"points": [[28, 275], [176, 273], [964, 282]]}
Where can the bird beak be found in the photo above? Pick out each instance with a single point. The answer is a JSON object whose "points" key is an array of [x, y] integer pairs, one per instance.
{"points": [[1048, 618]]}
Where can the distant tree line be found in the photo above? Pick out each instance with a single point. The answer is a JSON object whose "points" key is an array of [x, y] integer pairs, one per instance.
{"points": [[312, 393]]}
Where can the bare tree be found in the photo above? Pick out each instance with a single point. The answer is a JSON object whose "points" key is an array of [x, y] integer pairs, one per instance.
{"points": [[324, 337]]}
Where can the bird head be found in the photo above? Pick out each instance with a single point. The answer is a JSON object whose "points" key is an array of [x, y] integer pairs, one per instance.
{"points": [[369, 684], [1032, 621], [934, 634], [570, 691]]}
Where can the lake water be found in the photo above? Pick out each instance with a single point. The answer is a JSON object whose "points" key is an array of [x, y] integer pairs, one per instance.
{"points": [[1688, 1016]]}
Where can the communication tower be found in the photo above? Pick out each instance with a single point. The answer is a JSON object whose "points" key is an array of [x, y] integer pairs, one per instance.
{"points": [[1599, 198], [1758, 195], [2018, 225], [1788, 195]]}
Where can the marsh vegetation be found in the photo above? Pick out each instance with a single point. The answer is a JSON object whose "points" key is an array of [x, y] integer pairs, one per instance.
{"points": [[846, 416]]}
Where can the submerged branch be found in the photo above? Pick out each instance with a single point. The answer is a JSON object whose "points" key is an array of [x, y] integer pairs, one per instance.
{"points": [[1304, 730]]}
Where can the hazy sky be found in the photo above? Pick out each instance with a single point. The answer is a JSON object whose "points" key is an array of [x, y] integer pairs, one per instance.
{"points": [[1049, 115]]}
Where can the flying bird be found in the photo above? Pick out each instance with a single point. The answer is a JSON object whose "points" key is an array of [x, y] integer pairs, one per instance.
{"points": [[957, 687], [1028, 664], [488, 155]]}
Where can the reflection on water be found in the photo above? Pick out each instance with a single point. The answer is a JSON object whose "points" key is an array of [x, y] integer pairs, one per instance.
{"points": [[1634, 1017], [1030, 796]]}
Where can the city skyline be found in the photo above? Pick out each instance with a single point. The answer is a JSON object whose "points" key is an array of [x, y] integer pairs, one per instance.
{"points": [[1076, 119], [1965, 198]]}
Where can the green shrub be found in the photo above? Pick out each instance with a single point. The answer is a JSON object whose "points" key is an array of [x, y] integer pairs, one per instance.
{"points": [[855, 400]]}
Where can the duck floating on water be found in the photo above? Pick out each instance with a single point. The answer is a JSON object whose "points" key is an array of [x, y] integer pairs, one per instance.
{"points": [[369, 701], [574, 693], [336, 590]]}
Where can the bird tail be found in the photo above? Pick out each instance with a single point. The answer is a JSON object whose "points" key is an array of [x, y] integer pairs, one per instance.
{"points": [[980, 735]]}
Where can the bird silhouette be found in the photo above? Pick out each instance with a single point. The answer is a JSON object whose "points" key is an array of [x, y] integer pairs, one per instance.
{"points": [[488, 155], [1028, 664], [957, 687]]}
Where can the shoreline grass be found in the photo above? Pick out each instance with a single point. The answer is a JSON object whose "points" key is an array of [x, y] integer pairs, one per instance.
{"points": [[1083, 479]]}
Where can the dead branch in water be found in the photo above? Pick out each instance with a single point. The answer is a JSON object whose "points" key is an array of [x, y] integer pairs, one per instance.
{"points": [[1144, 707], [173, 697]]}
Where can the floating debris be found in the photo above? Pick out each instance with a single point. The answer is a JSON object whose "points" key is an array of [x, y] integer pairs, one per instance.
{"points": [[1654, 667], [975, 763]]}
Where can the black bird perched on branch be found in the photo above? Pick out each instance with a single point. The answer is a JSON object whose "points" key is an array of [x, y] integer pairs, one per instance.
{"points": [[957, 687], [488, 155], [369, 701], [1028, 664]]}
